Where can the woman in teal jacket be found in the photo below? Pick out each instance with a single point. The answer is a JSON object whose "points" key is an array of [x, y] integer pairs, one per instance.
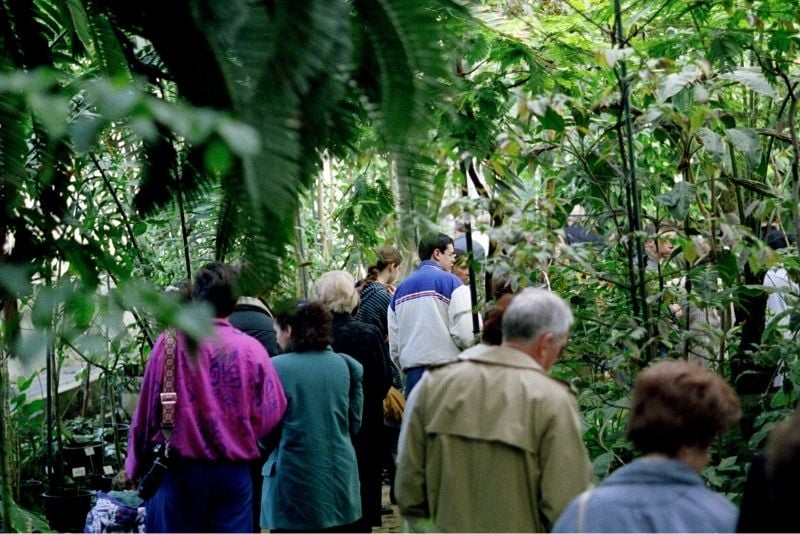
{"points": [[311, 478]]}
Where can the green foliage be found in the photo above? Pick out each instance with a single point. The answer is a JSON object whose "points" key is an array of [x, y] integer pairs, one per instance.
{"points": [[366, 205], [131, 153]]}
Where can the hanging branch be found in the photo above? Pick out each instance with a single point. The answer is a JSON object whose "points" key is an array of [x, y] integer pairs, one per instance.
{"points": [[466, 168], [125, 222], [131, 236]]}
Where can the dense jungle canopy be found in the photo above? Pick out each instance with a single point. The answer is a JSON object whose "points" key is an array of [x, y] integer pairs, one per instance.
{"points": [[139, 140]]}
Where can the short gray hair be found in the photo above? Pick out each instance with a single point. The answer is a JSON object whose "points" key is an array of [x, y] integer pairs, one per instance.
{"points": [[336, 291], [533, 313]]}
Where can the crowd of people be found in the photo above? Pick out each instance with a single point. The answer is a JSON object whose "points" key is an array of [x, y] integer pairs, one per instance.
{"points": [[279, 418]]}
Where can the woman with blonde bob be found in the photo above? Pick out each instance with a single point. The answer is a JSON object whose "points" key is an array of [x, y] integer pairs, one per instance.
{"points": [[678, 409], [336, 292]]}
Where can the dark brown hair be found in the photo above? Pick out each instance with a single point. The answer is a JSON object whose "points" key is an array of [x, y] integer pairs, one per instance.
{"points": [[432, 242], [214, 284], [310, 322], [493, 321], [678, 403], [386, 256], [501, 285]]}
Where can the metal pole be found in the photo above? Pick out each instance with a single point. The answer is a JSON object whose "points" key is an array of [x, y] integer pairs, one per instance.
{"points": [[473, 290], [635, 221]]}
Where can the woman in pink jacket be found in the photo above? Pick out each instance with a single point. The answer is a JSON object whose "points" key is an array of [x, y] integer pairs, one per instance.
{"points": [[228, 397]]}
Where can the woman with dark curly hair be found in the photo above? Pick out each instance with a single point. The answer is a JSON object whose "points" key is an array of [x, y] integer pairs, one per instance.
{"points": [[311, 478], [677, 410]]}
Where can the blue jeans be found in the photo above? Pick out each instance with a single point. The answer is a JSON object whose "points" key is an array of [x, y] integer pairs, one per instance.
{"points": [[202, 496], [413, 375]]}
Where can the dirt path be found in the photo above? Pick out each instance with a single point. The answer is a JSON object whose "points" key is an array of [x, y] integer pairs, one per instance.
{"points": [[391, 522]]}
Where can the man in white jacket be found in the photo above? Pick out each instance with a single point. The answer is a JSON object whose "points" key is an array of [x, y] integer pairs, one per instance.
{"points": [[430, 318]]}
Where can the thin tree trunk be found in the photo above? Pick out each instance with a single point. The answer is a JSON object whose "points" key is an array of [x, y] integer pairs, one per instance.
{"points": [[6, 440], [406, 223], [629, 169]]}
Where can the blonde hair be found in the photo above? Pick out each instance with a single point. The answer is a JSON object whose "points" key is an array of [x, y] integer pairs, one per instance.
{"points": [[336, 292]]}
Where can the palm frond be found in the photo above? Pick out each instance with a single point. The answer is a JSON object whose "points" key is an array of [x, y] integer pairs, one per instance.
{"points": [[106, 43], [410, 45], [24, 35]]}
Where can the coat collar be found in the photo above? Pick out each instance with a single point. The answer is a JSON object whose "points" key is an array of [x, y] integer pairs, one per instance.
{"points": [[252, 301], [429, 263], [500, 355]]}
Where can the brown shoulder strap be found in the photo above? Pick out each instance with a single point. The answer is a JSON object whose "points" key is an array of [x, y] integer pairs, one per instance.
{"points": [[168, 395]]}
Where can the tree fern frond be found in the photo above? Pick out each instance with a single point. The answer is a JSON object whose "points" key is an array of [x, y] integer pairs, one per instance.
{"points": [[13, 151], [105, 43], [410, 45], [298, 69], [406, 40], [24, 37], [181, 44]]}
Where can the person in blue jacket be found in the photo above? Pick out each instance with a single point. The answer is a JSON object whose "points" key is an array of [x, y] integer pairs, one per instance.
{"points": [[677, 410], [311, 477]]}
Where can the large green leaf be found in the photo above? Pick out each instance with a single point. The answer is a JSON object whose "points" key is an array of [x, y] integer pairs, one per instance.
{"points": [[672, 84], [746, 140], [678, 199], [712, 141], [753, 79]]}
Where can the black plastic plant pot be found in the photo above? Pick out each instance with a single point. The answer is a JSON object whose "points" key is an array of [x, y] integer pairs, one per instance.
{"points": [[66, 509], [89, 457], [30, 492], [122, 433], [100, 483]]}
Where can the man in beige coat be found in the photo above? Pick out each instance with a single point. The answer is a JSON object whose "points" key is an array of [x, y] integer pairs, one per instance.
{"points": [[492, 443]]}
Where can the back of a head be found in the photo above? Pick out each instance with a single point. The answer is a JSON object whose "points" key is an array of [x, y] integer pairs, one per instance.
{"points": [[533, 313], [431, 242], [783, 469], [310, 323], [214, 283], [777, 239], [336, 291], [501, 285], [576, 215], [388, 255], [678, 403], [492, 333]]}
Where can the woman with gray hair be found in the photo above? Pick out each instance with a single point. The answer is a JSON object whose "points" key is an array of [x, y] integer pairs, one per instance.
{"points": [[336, 292]]}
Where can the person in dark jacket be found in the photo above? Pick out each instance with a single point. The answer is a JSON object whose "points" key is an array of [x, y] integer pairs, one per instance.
{"points": [[336, 292], [252, 317], [771, 489]]}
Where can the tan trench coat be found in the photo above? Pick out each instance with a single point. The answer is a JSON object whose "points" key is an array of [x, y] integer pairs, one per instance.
{"points": [[490, 444]]}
